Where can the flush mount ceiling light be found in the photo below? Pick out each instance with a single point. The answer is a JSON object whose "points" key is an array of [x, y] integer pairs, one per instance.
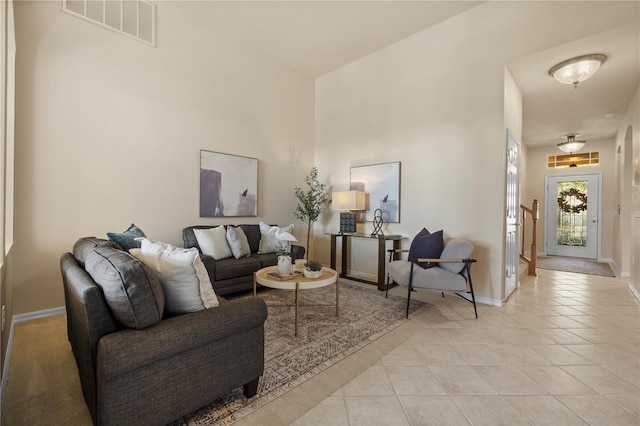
{"points": [[578, 69], [571, 145]]}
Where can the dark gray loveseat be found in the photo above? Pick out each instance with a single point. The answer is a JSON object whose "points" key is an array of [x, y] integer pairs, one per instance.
{"points": [[160, 372], [231, 275]]}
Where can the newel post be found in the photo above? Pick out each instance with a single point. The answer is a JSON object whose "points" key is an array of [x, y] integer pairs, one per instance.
{"points": [[534, 249]]}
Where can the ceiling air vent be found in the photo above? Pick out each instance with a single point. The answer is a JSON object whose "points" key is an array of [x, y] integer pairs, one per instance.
{"points": [[133, 18]]}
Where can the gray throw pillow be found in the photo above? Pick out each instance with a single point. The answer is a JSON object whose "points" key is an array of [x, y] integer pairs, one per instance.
{"points": [[85, 245], [132, 290], [238, 242]]}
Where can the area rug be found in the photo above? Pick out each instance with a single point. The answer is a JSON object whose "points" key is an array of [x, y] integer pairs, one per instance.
{"points": [[573, 264], [324, 339]]}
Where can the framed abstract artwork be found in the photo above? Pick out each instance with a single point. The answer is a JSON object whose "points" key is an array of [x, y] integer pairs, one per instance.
{"points": [[381, 183], [228, 185]]}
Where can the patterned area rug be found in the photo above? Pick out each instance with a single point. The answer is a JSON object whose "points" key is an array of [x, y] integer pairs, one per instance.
{"points": [[324, 339], [574, 264]]}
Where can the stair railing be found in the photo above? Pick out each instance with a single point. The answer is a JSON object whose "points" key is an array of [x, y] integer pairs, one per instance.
{"points": [[533, 213]]}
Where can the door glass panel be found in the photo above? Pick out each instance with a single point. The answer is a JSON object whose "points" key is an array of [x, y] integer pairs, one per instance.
{"points": [[572, 214]]}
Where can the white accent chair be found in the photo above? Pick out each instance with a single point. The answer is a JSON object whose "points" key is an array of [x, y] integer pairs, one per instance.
{"points": [[451, 273]]}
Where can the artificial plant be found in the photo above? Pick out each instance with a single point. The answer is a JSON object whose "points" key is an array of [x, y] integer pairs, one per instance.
{"points": [[311, 202]]}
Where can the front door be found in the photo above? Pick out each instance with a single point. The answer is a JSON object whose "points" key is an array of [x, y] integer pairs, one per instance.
{"points": [[572, 215]]}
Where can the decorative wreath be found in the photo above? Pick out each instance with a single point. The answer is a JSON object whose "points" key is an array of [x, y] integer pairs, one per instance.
{"points": [[566, 196]]}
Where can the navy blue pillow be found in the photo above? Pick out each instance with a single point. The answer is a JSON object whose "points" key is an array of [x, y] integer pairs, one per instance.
{"points": [[126, 240], [426, 246]]}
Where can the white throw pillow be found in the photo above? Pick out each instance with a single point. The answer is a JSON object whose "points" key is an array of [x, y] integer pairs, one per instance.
{"points": [[238, 242], [213, 242], [269, 242], [184, 279]]}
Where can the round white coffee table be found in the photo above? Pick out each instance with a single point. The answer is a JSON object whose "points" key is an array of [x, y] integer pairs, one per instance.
{"points": [[328, 277]]}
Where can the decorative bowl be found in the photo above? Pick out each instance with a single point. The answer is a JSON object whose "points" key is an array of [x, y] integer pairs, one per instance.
{"points": [[312, 274]]}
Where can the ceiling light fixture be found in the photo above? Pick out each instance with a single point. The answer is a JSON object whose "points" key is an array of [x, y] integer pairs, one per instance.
{"points": [[578, 69], [571, 145]]}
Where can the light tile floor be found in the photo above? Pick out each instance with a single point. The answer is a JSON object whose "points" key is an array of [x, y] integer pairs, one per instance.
{"points": [[563, 350]]}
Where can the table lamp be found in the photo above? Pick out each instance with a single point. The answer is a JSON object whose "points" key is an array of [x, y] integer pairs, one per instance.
{"points": [[347, 202]]}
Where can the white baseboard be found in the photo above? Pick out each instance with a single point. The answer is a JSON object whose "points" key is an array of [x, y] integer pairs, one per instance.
{"points": [[38, 314], [7, 356], [634, 291], [488, 301]]}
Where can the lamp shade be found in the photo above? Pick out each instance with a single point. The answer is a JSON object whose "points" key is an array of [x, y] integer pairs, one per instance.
{"points": [[578, 69], [348, 200]]}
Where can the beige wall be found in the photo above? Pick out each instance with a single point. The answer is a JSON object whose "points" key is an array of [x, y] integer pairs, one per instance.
{"points": [[109, 132], [436, 102], [535, 186]]}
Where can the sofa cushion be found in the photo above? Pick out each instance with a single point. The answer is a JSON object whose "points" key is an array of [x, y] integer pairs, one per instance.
{"points": [[185, 280], [456, 248], [238, 242], [85, 245], [426, 246], [127, 239], [213, 242], [132, 290], [269, 241], [233, 268], [266, 259]]}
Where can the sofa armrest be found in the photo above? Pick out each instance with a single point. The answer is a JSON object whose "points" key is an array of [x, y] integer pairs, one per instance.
{"points": [[210, 265], [297, 252], [130, 349]]}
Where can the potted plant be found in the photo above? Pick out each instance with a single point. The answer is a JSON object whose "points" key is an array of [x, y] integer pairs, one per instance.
{"points": [[311, 202], [313, 269]]}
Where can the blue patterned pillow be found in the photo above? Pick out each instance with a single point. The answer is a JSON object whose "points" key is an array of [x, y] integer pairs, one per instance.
{"points": [[126, 240]]}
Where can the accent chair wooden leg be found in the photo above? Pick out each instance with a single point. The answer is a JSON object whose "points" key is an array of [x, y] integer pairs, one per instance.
{"points": [[251, 389]]}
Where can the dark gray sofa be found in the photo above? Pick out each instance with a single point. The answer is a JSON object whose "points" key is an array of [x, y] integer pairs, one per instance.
{"points": [[231, 275], [161, 372]]}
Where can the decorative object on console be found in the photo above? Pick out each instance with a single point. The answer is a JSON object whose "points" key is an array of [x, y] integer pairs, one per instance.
{"points": [[228, 185], [348, 201], [576, 70], [311, 201], [377, 223], [382, 183]]}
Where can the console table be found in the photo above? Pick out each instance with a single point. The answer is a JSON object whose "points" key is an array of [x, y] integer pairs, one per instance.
{"points": [[382, 242]]}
